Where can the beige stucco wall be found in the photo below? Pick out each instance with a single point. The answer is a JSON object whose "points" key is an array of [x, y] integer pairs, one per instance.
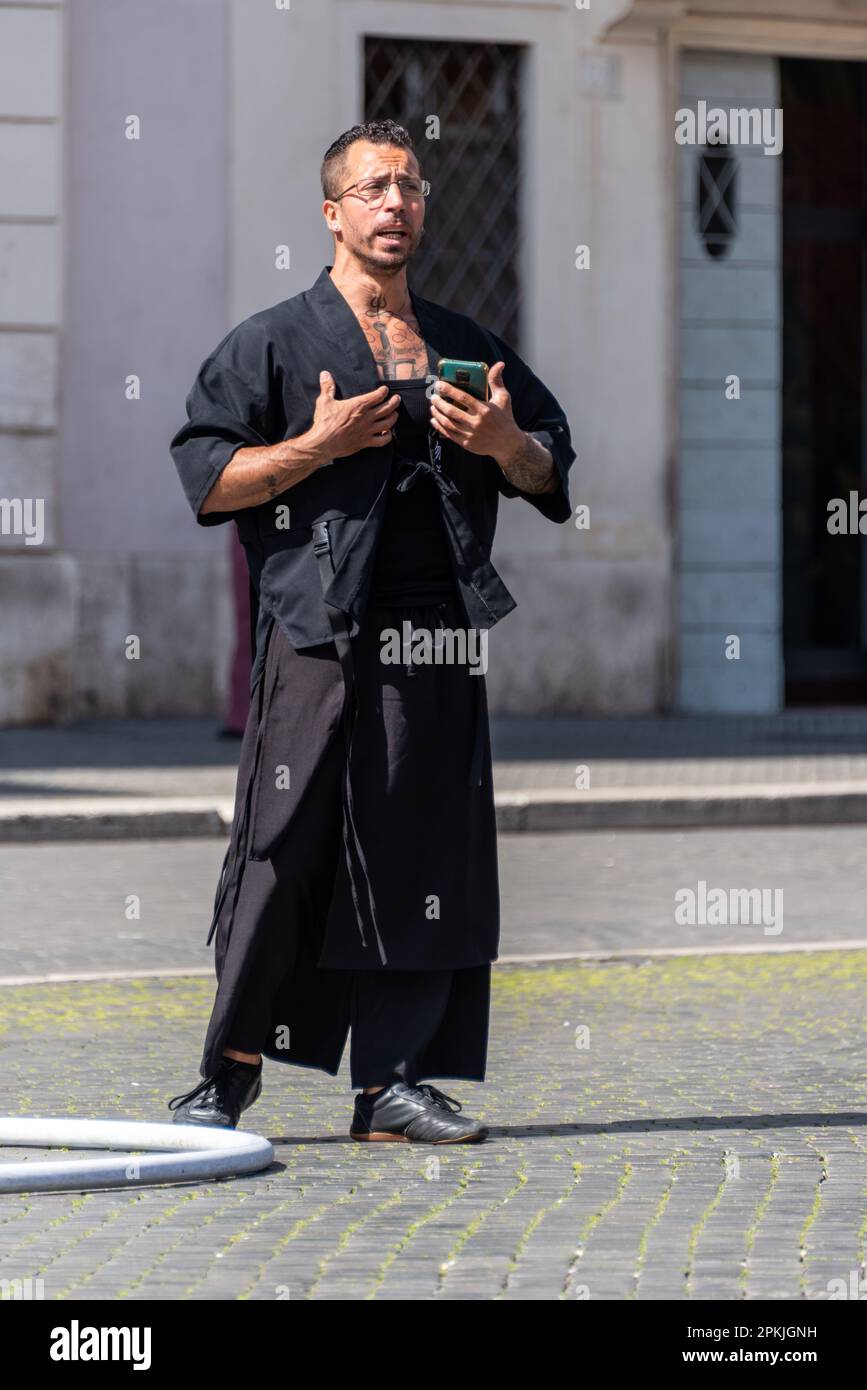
{"points": [[135, 257], [112, 264], [37, 586]]}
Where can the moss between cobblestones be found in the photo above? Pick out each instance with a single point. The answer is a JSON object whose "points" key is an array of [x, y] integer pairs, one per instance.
{"points": [[523, 1239], [296, 1229], [805, 1229], [414, 1227], [753, 1228], [643, 992], [472, 1226], [593, 1221], [646, 991], [697, 1229], [654, 1219], [862, 1231]]}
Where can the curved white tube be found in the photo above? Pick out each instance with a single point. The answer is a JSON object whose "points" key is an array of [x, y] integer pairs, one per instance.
{"points": [[195, 1152]]}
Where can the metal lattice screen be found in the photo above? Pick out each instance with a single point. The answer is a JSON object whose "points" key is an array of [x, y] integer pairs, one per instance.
{"points": [[468, 258]]}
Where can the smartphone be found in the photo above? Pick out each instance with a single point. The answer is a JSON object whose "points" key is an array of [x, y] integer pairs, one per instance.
{"points": [[471, 377]]}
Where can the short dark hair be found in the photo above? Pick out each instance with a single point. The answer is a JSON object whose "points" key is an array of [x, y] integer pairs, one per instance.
{"points": [[377, 133]]}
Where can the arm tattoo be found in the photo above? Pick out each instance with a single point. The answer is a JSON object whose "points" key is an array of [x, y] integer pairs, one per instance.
{"points": [[531, 468]]}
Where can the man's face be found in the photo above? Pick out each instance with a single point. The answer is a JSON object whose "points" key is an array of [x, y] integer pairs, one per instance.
{"points": [[362, 229]]}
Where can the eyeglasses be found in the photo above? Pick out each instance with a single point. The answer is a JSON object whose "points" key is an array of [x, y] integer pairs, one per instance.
{"points": [[375, 191]]}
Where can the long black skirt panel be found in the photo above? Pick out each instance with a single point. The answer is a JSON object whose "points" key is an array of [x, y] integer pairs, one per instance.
{"points": [[422, 793], [288, 918]]}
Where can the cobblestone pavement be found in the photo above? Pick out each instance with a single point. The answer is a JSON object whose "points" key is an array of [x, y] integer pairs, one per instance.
{"points": [[706, 1138]]}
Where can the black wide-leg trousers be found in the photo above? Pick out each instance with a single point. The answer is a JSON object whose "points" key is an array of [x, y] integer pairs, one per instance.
{"points": [[394, 1015]]}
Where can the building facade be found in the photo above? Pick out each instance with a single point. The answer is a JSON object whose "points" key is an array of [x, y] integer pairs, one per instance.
{"points": [[694, 300]]}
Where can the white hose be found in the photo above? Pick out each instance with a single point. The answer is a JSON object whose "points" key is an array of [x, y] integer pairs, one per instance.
{"points": [[195, 1153]]}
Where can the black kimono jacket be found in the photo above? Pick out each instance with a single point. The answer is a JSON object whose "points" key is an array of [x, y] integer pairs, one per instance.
{"points": [[259, 386]]}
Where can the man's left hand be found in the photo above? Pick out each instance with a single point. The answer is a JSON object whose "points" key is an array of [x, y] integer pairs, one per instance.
{"points": [[480, 427]]}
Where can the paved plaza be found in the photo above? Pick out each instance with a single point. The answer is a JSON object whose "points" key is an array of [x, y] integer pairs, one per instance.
{"points": [[687, 1128]]}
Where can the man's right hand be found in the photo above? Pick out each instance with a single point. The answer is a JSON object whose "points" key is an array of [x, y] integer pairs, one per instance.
{"points": [[360, 422]]}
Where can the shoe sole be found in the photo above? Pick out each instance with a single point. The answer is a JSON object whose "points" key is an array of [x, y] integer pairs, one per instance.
{"points": [[405, 1139], [204, 1124]]}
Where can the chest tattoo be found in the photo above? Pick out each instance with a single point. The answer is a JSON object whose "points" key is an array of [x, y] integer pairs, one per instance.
{"points": [[396, 343]]}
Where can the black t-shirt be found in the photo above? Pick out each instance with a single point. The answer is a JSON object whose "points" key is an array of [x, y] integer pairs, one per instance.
{"points": [[412, 563]]}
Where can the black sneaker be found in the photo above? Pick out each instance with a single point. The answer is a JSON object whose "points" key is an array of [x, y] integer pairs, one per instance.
{"points": [[220, 1098], [404, 1114]]}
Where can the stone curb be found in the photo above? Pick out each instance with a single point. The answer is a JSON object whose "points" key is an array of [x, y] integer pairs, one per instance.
{"points": [[540, 811], [112, 818], [670, 808]]}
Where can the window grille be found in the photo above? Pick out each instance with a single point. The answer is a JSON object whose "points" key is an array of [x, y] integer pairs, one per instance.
{"points": [[468, 258], [717, 199]]}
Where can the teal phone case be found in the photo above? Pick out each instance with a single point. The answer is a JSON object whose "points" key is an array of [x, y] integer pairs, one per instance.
{"points": [[471, 377]]}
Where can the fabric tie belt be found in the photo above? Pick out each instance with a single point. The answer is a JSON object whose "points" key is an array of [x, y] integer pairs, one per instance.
{"points": [[415, 468]]}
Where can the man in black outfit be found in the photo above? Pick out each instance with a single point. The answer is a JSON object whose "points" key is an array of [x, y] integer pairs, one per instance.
{"points": [[359, 890]]}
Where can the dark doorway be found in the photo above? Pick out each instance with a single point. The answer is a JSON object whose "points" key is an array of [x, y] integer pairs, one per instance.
{"points": [[823, 251]]}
